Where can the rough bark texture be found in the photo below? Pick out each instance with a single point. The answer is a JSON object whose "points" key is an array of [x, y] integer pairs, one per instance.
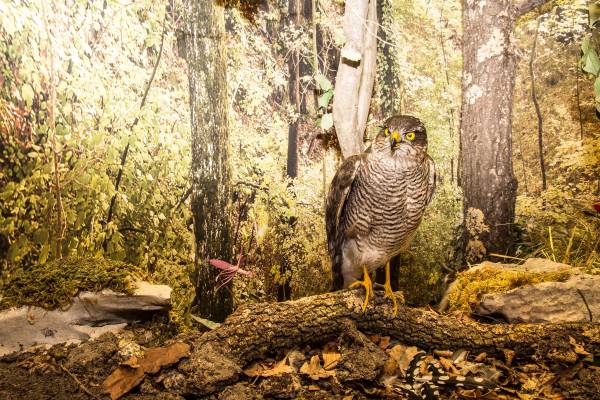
{"points": [[255, 331], [486, 124], [369, 69], [348, 79], [388, 72], [293, 91], [210, 159], [389, 87]]}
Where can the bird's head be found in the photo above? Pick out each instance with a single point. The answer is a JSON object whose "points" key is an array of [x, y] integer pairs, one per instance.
{"points": [[403, 132]]}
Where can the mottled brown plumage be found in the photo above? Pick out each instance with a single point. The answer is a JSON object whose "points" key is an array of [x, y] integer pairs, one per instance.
{"points": [[377, 199]]}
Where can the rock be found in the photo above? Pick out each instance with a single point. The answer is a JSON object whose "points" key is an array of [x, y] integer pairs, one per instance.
{"points": [[89, 316], [546, 301], [467, 291], [530, 265]]}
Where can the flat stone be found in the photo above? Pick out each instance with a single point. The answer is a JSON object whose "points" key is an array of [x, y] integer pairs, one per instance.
{"points": [[88, 316], [546, 302]]}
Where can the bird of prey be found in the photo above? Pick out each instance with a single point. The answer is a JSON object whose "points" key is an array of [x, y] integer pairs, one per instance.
{"points": [[376, 202]]}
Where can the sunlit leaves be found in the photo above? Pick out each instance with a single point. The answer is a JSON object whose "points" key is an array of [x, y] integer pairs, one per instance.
{"points": [[323, 83], [27, 94], [327, 121], [591, 62], [326, 89], [102, 67]]}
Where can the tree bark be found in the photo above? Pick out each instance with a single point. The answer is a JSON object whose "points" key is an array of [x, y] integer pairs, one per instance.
{"points": [[388, 73], [389, 87], [293, 92], [536, 105], [349, 78], [369, 70], [486, 125], [255, 331], [207, 65]]}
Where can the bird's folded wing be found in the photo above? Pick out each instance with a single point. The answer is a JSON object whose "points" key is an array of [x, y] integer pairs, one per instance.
{"points": [[338, 193]]}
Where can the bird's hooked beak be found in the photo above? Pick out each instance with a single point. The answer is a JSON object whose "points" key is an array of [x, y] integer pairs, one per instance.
{"points": [[395, 139]]}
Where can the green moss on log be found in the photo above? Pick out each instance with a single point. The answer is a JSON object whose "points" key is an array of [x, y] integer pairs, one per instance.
{"points": [[54, 284]]}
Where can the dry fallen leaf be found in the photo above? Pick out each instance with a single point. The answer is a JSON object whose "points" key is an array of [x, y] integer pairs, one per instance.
{"points": [[258, 369], [508, 356], [459, 356], [403, 355], [480, 357], [390, 368], [384, 342], [443, 353], [314, 370], [448, 365], [330, 359], [132, 372]]}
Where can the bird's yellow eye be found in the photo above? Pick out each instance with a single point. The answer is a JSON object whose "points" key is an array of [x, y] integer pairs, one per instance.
{"points": [[387, 132], [410, 136]]}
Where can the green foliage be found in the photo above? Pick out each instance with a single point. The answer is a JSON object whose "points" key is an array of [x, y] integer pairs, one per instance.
{"points": [[54, 284], [326, 89], [559, 223], [100, 76]]}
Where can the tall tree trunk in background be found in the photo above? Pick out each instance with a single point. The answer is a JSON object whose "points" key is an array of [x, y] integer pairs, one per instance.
{"points": [[536, 105], [293, 62], [294, 15], [355, 75], [207, 65], [390, 93], [486, 126], [488, 82]]}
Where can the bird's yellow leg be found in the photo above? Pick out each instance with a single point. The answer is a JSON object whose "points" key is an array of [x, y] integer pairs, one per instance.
{"points": [[388, 288], [366, 282]]}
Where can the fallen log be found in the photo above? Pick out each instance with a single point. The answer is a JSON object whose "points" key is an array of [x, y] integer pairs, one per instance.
{"points": [[255, 331]]}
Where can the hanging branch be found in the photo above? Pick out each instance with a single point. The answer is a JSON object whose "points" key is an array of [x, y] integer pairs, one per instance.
{"points": [[113, 200], [537, 106]]}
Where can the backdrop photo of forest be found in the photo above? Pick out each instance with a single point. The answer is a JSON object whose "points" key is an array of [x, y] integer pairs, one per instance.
{"points": [[176, 161]]}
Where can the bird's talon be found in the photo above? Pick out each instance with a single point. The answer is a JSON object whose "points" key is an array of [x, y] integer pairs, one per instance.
{"points": [[388, 289], [368, 285]]}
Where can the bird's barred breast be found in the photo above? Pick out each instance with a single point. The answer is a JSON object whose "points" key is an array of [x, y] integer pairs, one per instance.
{"points": [[385, 208]]}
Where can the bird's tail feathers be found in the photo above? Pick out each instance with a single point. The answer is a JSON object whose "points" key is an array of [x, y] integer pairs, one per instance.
{"points": [[338, 278]]}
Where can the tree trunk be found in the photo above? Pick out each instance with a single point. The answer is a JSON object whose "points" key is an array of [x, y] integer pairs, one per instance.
{"points": [[293, 92], [388, 71], [536, 105], [356, 72], [210, 157], [389, 86], [486, 124], [256, 331]]}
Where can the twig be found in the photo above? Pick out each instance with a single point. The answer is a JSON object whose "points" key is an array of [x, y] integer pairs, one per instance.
{"points": [[81, 386], [536, 105], [183, 198], [135, 122], [586, 304]]}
